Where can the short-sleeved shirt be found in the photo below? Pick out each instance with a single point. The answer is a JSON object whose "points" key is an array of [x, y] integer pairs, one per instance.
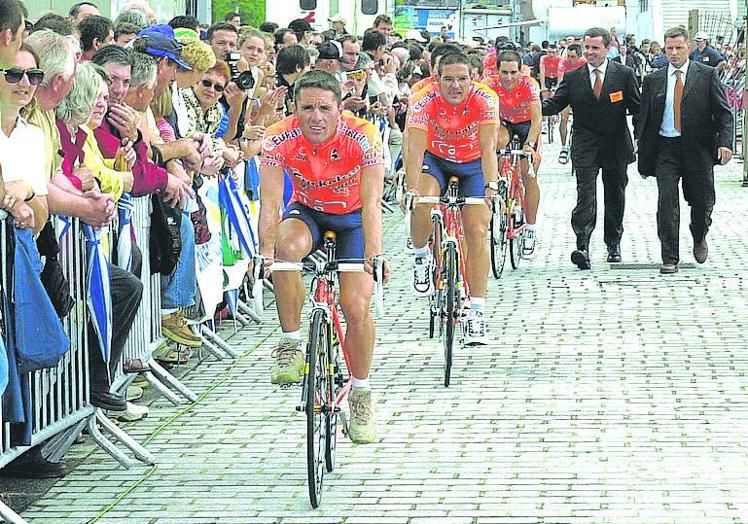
{"points": [[326, 177], [47, 122], [21, 157], [515, 105], [551, 65], [709, 56], [565, 66], [452, 131], [422, 84]]}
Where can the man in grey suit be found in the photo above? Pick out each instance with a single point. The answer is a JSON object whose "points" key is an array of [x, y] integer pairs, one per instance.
{"points": [[683, 130], [600, 94]]}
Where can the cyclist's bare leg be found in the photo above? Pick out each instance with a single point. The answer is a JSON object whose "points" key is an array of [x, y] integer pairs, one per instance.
{"points": [[420, 221], [293, 242], [475, 221], [563, 126], [532, 194], [503, 137], [355, 296]]}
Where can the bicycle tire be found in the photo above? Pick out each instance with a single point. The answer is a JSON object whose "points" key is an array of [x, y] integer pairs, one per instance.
{"points": [[499, 228], [451, 311], [335, 382], [549, 129], [516, 243], [316, 373], [436, 297]]}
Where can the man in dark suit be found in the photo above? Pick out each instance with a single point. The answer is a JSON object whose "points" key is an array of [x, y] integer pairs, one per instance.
{"points": [[684, 129], [600, 95]]}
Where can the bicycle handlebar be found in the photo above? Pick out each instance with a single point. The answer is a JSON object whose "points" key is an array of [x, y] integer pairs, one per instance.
{"points": [[468, 201]]}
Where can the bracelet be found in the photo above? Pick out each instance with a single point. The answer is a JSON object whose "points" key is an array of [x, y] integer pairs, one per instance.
{"points": [[30, 197]]}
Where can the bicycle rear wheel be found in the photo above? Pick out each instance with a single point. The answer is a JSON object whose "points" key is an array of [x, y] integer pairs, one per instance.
{"points": [[451, 308], [336, 381], [499, 241], [549, 128], [314, 408]]}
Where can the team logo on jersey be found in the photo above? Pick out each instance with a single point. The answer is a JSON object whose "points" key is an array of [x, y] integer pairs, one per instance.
{"points": [[334, 154]]}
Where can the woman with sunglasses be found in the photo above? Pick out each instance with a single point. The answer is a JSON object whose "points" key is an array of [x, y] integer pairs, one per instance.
{"points": [[20, 143]]}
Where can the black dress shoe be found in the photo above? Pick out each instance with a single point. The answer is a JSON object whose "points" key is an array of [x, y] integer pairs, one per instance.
{"points": [[107, 400], [700, 251], [581, 258], [32, 465], [614, 254]]}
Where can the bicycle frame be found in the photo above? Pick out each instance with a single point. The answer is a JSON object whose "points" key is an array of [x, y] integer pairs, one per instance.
{"points": [[450, 212], [509, 167]]}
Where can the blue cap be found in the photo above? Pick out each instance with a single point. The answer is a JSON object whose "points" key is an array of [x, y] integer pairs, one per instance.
{"points": [[162, 44]]}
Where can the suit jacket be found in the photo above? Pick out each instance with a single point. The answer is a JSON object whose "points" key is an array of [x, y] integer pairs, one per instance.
{"points": [[706, 119], [601, 133]]}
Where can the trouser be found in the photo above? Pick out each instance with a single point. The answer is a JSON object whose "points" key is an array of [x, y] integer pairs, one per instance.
{"points": [[178, 290], [698, 190], [127, 291], [584, 215]]}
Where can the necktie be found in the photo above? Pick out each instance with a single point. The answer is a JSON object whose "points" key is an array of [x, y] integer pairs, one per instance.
{"points": [[598, 88], [677, 98]]}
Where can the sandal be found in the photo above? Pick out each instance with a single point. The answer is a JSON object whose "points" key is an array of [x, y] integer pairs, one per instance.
{"points": [[171, 356], [136, 365], [563, 157]]}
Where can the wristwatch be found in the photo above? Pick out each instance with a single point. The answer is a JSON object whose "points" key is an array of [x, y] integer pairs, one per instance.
{"points": [[494, 186], [533, 145]]}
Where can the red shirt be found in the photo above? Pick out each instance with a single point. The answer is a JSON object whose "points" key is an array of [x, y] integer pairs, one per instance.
{"points": [[452, 131], [515, 105], [326, 177], [551, 65], [566, 66]]}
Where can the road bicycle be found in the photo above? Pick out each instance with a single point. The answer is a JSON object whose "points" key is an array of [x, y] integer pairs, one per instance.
{"points": [[451, 291], [507, 227], [326, 383]]}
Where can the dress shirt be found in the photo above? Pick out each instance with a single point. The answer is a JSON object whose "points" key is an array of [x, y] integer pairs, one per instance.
{"points": [[667, 128], [591, 72], [22, 158]]}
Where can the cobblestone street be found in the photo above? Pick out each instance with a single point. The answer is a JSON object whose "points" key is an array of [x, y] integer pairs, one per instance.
{"points": [[611, 395]]}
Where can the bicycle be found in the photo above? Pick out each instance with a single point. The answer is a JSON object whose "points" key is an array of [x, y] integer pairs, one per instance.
{"points": [[326, 383], [446, 303], [507, 227]]}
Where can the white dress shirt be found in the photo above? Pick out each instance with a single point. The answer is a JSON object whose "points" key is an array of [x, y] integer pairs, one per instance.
{"points": [[21, 156], [667, 128], [591, 72]]}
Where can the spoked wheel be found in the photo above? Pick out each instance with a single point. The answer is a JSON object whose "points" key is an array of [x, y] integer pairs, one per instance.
{"points": [[331, 421], [549, 128], [435, 300], [499, 242], [315, 406], [451, 309], [516, 244]]}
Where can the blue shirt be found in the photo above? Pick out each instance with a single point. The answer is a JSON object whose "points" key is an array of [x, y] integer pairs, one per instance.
{"points": [[659, 61], [709, 56]]}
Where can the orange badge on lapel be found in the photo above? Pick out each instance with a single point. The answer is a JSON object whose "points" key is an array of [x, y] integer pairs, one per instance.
{"points": [[617, 96]]}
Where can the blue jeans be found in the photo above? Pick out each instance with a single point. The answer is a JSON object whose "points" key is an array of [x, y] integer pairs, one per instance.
{"points": [[179, 289]]}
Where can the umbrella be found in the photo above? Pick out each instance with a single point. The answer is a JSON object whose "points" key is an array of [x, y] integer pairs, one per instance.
{"points": [[125, 207], [99, 298], [238, 215]]}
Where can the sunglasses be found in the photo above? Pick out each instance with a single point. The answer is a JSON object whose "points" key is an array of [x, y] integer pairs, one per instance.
{"points": [[14, 75], [218, 87]]}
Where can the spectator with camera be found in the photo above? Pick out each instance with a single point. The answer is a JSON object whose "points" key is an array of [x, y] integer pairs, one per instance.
{"points": [[223, 38]]}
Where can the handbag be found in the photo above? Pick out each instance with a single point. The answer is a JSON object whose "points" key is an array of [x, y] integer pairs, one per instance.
{"points": [[53, 279]]}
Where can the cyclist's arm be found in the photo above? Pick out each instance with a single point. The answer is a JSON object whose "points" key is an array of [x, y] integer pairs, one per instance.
{"points": [[414, 160], [488, 161], [271, 200], [536, 114], [542, 76], [372, 185]]}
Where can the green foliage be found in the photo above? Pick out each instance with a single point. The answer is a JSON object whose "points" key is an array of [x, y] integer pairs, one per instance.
{"points": [[252, 11]]}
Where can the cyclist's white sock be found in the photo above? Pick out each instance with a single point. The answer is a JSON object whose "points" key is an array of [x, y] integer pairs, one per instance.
{"points": [[168, 311], [359, 383], [422, 252], [530, 227], [291, 335], [477, 304]]}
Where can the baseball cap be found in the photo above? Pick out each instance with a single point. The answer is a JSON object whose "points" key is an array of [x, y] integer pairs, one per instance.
{"points": [[328, 51], [701, 35], [414, 34], [160, 43], [299, 26], [337, 18]]}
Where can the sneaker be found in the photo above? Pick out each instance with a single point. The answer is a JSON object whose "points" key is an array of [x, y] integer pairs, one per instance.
{"points": [[132, 413], [422, 276], [475, 334], [134, 393], [363, 426], [529, 243], [289, 368], [175, 328]]}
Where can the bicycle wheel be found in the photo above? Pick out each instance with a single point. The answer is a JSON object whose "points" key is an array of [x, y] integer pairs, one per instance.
{"points": [[331, 422], [451, 308], [549, 128], [498, 241], [316, 391], [516, 243], [435, 299]]}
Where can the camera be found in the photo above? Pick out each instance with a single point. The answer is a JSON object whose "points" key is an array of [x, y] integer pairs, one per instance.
{"points": [[244, 80]]}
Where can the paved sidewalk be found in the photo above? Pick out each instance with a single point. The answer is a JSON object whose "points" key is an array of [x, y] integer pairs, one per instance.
{"points": [[612, 395]]}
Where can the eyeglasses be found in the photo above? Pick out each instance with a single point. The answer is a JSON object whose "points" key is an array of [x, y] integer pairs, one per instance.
{"points": [[218, 87], [14, 75]]}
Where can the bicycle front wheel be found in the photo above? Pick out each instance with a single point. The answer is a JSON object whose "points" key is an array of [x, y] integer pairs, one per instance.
{"points": [[315, 405], [516, 243], [498, 241], [435, 299], [451, 308]]}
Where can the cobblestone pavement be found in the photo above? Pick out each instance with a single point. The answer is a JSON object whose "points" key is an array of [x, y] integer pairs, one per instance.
{"points": [[613, 395]]}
